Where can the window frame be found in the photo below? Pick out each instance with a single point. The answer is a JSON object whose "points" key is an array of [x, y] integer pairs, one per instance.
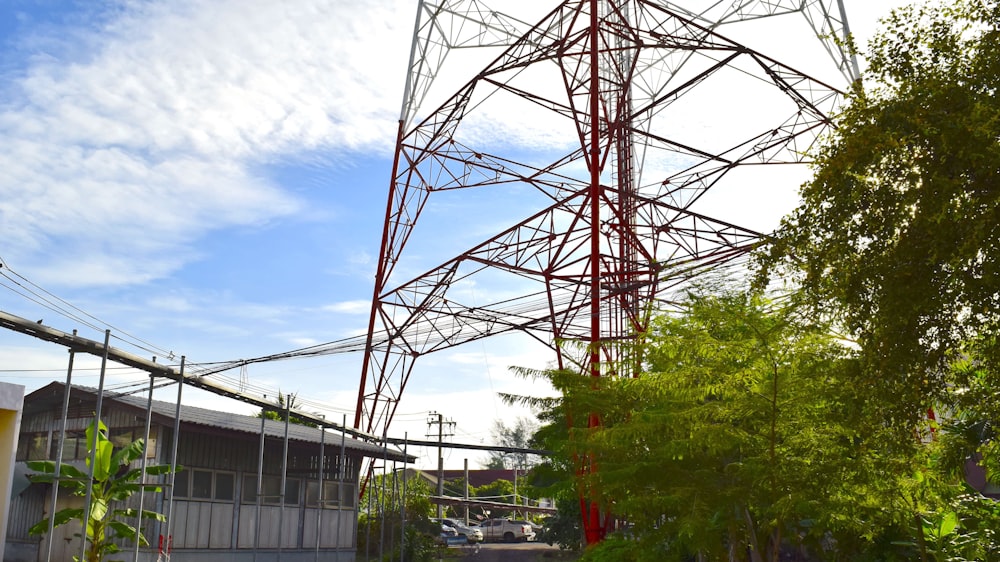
{"points": [[270, 481], [185, 491]]}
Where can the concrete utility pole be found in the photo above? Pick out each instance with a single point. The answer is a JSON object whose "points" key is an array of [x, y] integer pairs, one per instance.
{"points": [[436, 418]]}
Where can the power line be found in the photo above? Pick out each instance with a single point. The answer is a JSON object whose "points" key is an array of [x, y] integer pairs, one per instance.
{"points": [[47, 299]]}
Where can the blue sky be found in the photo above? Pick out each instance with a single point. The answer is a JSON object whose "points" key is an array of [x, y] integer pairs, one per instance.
{"points": [[210, 177]]}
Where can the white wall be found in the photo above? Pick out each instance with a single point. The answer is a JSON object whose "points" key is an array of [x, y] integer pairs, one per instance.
{"points": [[11, 404]]}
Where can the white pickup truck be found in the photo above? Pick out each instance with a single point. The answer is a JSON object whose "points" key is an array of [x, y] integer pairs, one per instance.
{"points": [[506, 530]]}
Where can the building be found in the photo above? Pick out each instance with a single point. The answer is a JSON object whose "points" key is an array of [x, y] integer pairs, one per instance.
{"points": [[215, 512], [11, 402], [486, 476], [475, 508]]}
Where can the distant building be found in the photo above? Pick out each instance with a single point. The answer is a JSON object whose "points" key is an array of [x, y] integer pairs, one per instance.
{"points": [[482, 508], [485, 476], [215, 509]]}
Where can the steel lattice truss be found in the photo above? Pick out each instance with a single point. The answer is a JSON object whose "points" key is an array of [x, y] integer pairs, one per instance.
{"points": [[617, 223]]}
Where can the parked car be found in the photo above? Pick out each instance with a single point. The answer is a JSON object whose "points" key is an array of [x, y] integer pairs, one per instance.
{"points": [[506, 530], [534, 526], [447, 535], [471, 534]]}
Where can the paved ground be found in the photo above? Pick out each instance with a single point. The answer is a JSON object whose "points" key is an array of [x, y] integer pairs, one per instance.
{"points": [[516, 552]]}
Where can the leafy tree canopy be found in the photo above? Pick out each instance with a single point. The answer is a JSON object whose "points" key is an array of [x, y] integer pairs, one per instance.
{"points": [[897, 232], [282, 411], [748, 437], [516, 436], [741, 423], [387, 499]]}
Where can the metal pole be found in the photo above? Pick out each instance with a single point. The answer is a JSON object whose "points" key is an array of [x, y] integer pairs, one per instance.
{"points": [[168, 541], [382, 502], [320, 497], [342, 470], [515, 490], [59, 455], [142, 469], [847, 35], [260, 484], [592, 515], [380, 280], [408, 86], [93, 452], [368, 527], [402, 532], [394, 497], [284, 476], [465, 493], [440, 486]]}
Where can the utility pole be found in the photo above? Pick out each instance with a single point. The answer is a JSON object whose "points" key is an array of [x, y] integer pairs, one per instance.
{"points": [[435, 418], [465, 493]]}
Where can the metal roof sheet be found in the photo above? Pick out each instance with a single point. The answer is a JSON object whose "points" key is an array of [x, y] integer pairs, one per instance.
{"points": [[192, 415]]}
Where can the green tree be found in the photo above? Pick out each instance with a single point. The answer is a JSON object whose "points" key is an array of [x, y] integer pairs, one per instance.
{"points": [[555, 475], [499, 490], [383, 493], [745, 437], [281, 412], [114, 481], [896, 234], [896, 240], [747, 422], [517, 436], [970, 428], [381, 516]]}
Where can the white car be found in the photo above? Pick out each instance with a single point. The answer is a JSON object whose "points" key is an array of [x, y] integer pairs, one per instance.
{"points": [[471, 534], [446, 535], [506, 530]]}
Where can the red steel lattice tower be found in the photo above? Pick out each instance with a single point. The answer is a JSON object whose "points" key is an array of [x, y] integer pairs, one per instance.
{"points": [[587, 121]]}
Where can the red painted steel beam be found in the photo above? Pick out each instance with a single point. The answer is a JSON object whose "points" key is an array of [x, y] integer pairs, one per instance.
{"points": [[593, 528], [599, 252]]}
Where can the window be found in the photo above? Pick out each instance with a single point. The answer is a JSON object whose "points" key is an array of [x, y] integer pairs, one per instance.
{"points": [[331, 493], [225, 486], [205, 485], [33, 447], [291, 492], [122, 437], [74, 444], [181, 484], [201, 484], [271, 490], [249, 489]]}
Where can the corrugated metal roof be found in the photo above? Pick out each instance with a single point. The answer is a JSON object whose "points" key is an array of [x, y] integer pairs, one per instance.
{"points": [[191, 415]]}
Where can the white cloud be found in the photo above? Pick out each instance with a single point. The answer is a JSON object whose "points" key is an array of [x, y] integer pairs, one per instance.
{"points": [[171, 303], [298, 340], [34, 359], [139, 137], [35, 364], [129, 143], [350, 307]]}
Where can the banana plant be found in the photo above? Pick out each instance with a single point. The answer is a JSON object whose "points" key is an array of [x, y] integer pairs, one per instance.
{"points": [[114, 481]]}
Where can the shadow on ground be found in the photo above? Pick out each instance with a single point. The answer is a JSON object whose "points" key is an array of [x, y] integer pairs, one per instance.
{"points": [[518, 552]]}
